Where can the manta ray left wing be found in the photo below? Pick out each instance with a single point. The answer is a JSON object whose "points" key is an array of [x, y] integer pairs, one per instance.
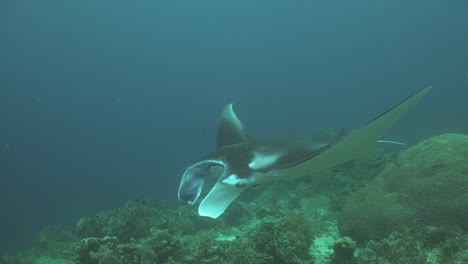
{"points": [[231, 131]]}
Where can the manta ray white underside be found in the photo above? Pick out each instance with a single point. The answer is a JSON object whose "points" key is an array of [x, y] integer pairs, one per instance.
{"points": [[242, 162]]}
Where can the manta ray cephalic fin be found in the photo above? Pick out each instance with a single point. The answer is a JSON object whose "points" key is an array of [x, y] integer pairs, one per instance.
{"points": [[218, 199]]}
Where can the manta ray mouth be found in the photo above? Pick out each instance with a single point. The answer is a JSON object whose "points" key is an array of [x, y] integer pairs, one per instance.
{"points": [[194, 178]]}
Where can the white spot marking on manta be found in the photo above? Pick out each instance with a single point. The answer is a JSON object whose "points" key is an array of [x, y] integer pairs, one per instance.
{"points": [[261, 161], [231, 180]]}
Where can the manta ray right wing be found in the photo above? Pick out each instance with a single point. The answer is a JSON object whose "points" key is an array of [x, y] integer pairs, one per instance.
{"points": [[354, 146]]}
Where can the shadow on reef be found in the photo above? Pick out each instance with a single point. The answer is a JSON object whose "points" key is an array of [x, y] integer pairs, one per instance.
{"points": [[349, 215]]}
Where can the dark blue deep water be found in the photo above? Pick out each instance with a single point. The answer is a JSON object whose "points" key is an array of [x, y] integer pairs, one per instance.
{"points": [[104, 100]]}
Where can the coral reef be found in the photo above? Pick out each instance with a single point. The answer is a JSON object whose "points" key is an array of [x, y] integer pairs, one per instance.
{"points": [[343, 250], [427, 185], [406, 208], [284, 240], [428, 244], [129, 222]]}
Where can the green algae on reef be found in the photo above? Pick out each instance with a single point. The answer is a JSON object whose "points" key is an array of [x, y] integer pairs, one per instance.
{"points": [[298, 222]]}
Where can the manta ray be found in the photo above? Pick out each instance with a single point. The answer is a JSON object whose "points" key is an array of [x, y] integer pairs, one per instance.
{"points": [[240, 161]]}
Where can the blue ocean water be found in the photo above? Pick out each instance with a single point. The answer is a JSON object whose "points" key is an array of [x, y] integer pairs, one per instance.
{"points": [[101, 101]]}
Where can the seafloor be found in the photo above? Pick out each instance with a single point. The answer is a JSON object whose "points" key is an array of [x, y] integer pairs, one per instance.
{"points": [[406, 207]]}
